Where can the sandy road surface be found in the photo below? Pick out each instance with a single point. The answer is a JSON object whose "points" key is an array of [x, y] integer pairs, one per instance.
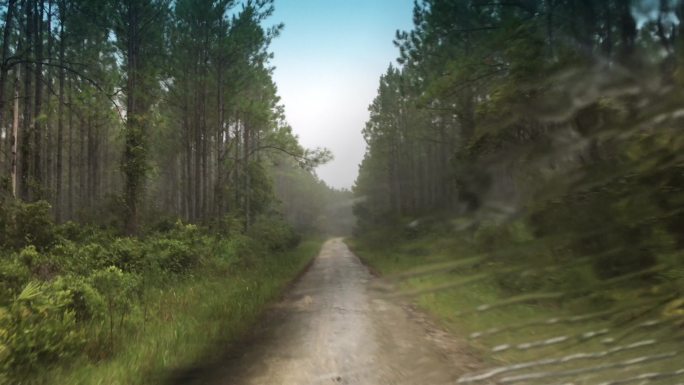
{"points": [[331, 328]]}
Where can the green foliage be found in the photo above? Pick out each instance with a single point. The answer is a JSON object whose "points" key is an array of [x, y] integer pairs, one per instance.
{"points": [[38, 330], [530, 145], [83, 296], [126, 254], [13, 276], [119, 290], [236, 247], [23, 224], [85, 301], [40, 265], [273, 234], [173, 255]]}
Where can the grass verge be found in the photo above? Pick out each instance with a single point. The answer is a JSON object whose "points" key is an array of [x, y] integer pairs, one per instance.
{"points": [[183, 321], [456, 310]]}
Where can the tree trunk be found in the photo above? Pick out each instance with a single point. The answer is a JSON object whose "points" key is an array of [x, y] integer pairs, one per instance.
{"points": [[246, 170], [60, 117], [38, 93], [25, 135], [70, 136], [134, 160], [48, 164], [15, 132], [6, 33]]}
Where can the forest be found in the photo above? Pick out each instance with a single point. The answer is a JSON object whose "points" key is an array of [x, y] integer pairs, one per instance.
{"points": [[522, 188], [144, 158], [531, 153]]}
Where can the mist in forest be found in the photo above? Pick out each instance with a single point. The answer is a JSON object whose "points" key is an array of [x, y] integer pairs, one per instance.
{"points": [[362, 192]]}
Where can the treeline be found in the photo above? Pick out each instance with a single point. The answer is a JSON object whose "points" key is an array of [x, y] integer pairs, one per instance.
{"points": [[560, 116], [310, 205], [157, 119], [121, 111]]}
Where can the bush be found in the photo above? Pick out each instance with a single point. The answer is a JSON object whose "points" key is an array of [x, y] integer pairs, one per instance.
{"points": [[23, 224], [40, 265], [173, 255], [86, 303], [13, 277], [127, 254], [273, 233], [78, 259], [238, 250], [37, 330], [83, 233], [491, 237], [118, 289]]}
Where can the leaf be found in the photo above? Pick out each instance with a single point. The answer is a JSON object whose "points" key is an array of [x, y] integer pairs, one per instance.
{"points": [[31, 291]]}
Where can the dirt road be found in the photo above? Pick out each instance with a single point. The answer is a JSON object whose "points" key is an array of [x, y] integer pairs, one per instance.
{"points": [[333, 329]]}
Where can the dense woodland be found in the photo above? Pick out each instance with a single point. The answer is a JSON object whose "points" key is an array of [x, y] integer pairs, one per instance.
{"points": [[152, 195], [524, 182], [559, 115], [113, 111]]}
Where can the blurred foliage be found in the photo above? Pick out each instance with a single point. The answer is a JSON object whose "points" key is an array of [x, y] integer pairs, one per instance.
{"points": [[545, 139], [37, 330], [548, 124]]}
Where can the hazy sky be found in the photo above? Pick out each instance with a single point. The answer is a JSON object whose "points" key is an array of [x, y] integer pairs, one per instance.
{"points": [[328, 62]]}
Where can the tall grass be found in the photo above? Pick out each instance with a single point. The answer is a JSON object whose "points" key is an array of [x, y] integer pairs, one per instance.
{"points": [[404, 265], [184, 321]]}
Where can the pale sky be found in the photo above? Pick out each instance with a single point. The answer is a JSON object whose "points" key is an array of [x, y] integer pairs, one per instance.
{"points": [[328, 61]]}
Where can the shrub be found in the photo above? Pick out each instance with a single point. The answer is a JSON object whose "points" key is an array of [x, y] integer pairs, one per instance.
{"points": [[83, 233], [37, 330], [491, 237], [127, 254], [238, 250], [39, 264], [13, 277], [273, 233], [86, 303], [26, 224], [118, 289], [76, 259], [173, 255], [188, 233]]}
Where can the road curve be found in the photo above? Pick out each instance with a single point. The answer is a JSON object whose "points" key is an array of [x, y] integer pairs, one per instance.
{"points": [[331, 328]]}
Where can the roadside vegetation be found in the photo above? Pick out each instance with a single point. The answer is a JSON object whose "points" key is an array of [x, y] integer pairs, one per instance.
{"points": [[524, 165], [153, 197], [513, 312], [84, 305]]}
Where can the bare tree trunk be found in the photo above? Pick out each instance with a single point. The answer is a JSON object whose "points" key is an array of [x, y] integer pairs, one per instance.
{"points": [[189, 201], [25, 138], [198, 163], [38, 95], [246, 170], [60, 117], [93, 164], [48, 164], [82, 194], [15, 133], [5, 52], [218, 189], [70, 136]]}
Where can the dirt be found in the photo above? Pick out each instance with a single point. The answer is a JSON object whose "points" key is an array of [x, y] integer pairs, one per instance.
{"points": [[333, 328]]}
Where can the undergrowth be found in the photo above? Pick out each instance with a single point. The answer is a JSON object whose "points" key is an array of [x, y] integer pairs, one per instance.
{"points": [[82, 305]]}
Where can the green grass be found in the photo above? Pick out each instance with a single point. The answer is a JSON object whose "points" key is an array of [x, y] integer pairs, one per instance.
{"points": [[187, 319], [454, 309]]}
